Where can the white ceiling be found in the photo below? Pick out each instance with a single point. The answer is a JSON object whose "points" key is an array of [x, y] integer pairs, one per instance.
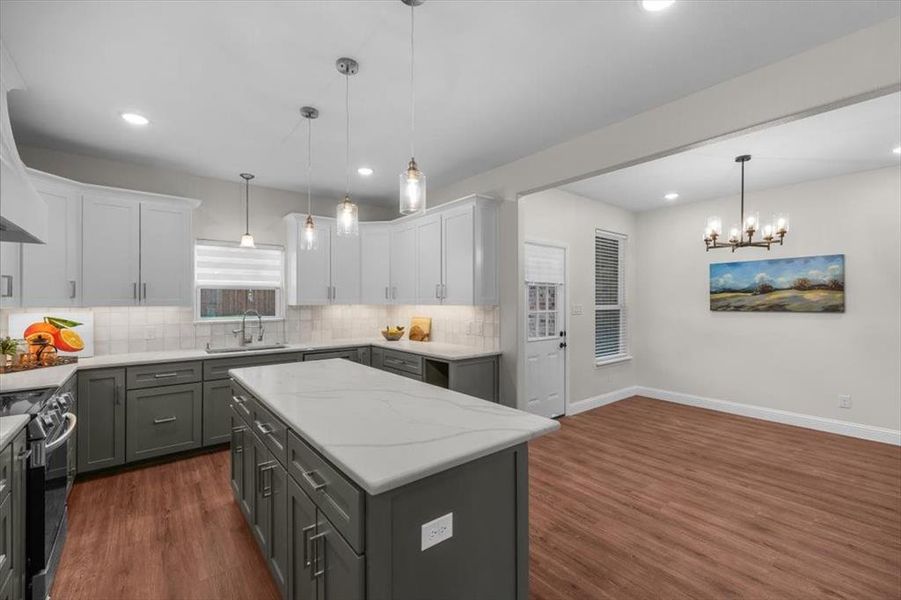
{"points": [[222, 81], [854, 138]]}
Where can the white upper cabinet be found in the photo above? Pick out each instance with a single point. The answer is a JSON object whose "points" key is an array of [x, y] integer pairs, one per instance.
{"points": [[345, 268], [404, 263], [458, 256], [136, 248], [110, 251], [165, 255], [52, 271], [375, 260], [447, 256], [428, 236]]}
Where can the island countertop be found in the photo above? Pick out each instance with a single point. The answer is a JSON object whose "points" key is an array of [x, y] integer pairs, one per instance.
{"points": [[383, 430]]}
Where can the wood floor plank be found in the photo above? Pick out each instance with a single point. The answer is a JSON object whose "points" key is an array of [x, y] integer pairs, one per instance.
{"points": [[640, 499]]}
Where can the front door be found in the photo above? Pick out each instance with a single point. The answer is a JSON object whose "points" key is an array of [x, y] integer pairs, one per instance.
{"points": [[545, 329]]}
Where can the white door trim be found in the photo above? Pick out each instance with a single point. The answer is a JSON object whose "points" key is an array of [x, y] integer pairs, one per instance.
{"points": [[523, 334]]}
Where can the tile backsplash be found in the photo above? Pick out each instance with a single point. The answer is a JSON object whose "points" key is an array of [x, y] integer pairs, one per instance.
{"points": [[121, 329]]}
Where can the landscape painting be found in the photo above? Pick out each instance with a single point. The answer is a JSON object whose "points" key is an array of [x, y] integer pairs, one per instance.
{"points": [[803, 284]]}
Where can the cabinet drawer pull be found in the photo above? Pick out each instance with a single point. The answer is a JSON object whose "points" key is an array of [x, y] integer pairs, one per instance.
{"points": [[2, 485], [164, 420], [306, 544], [318, 558], [239, 399], [316, 485], [264, 428], [164, 375], [24, 454], [8, 292], [267, 489]]}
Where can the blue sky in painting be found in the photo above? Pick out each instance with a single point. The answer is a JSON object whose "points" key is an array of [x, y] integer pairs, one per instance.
{"points": [[779, 272]]}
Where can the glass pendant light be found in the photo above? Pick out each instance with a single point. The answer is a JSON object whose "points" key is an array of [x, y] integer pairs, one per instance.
{"points": [[348, 220], [412, 180], [247, 239], [309, 236]]}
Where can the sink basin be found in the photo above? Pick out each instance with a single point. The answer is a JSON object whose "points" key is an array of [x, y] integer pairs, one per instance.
{"points": [[250, 348]]}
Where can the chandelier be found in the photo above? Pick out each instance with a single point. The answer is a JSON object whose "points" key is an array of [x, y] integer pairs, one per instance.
{"points": [[742, 236]]}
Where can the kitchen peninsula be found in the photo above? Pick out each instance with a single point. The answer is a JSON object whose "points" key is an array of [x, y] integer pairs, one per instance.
{"points": [[358, 483]]}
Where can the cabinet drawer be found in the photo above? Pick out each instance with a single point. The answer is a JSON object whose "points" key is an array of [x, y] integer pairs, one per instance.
{"points": [[6, 471], [403, 373], [271, 430], [163, 420], [218, 368], [402, 361], [164, 374], [348, 354], [241, 403], [6, 538], [339, 499]]}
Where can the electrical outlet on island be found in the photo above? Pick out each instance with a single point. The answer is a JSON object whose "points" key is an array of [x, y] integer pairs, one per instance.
{"points": [[844, 400]]}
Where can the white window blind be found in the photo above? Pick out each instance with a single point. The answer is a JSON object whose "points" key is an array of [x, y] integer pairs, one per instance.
{"points": [[230, 266], [610, 331]]}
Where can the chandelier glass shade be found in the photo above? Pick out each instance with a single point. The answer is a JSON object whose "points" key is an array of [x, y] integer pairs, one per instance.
{"points": [[741, 234]]}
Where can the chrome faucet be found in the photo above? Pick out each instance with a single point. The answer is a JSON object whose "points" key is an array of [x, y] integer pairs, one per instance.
{"points": [[245, 339]]}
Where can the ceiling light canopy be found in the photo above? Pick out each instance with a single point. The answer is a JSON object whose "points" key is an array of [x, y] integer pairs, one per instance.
{"points": [[365, 171], [656, 5], [348, 217], [247, 239], [772, 233], [412, 180], [671, 196], [135, 118], [309, 238]]}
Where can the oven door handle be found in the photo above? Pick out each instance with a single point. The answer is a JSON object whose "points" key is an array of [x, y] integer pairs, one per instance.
{"points": [[64, 435]]}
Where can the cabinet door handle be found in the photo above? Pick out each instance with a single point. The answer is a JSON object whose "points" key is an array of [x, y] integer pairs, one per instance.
{"points": [[3, 484], [386, 292], [238, 448], [264, 428], [134, 289], [267, 489], [306, 543], [24, 454], [71, 288], [164, 420], [164, 375], [9, 286], [318, 558], [144, 291], [394, 293], [438, 290], [118, 394], [316, 485]]}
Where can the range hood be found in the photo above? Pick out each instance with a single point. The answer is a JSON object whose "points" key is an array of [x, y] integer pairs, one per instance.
{"points": [[23, 213]]}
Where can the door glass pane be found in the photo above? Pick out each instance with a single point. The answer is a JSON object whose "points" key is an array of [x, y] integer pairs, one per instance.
{"points": [[542, 297], [533, 326], [552, 297], [552, 324], [542, 324], [533, 297]]}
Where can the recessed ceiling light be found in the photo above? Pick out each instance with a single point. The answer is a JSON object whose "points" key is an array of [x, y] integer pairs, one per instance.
{"points": [[135, 118], [671, 196], [656, 5], [364, 171], [897, 149]]}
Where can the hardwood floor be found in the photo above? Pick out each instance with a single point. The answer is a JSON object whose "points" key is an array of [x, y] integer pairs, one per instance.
{"points": [[648, 499], [638, 499]]}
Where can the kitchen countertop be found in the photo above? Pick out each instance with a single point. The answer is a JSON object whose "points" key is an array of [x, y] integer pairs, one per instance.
{"points": [[55, 376], [383, 430], [10, 427]]}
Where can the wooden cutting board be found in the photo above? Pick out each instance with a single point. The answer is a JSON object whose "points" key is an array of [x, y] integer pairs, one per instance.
{"points": [[420, 329]]}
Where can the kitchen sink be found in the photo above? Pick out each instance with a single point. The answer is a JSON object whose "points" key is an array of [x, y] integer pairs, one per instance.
{"points": [[250, 348]]}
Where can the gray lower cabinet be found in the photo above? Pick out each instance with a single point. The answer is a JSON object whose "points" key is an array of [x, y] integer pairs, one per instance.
{"points": [[301, 527], [101, 419], [163, 420], [269, 514], [337, 569], [217, 396], [12, 519], [239, 437]]}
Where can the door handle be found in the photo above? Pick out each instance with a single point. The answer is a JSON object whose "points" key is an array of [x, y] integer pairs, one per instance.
{"points": [[9, 286], [144, 290], [164, 420], [238, 449], [438, 290], [394, 293], [134, 289], [267, 489], [386, 292], [73, 286], [318, 558], [563, 344], [305, 537]]}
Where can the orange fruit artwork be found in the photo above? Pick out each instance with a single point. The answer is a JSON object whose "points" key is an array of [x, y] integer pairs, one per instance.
{"points": [[40, 333], [68, 340]]}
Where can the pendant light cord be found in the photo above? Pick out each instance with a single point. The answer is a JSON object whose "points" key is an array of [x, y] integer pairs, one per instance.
{"points": [[347, 133], [412, 87], [309, 167], [246, 206]]}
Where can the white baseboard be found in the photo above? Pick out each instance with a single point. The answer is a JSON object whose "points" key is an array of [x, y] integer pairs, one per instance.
{"points": [[575, 408], [866, 432]]}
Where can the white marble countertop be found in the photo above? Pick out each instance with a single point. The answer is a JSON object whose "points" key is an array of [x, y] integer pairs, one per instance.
{"points": [[383, 430], [10, 427], [56, 376]]}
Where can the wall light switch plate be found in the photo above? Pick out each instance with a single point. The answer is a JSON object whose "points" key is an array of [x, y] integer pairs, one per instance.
{"points": [[437, 530], [844, 400], [577, 309]]}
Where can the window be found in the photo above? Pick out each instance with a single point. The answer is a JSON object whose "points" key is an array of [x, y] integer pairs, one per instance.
{"points": [[610, 332], [229, 280]]}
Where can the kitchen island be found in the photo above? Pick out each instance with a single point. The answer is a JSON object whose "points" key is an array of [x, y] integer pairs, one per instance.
{"points": [[359, 483]]}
